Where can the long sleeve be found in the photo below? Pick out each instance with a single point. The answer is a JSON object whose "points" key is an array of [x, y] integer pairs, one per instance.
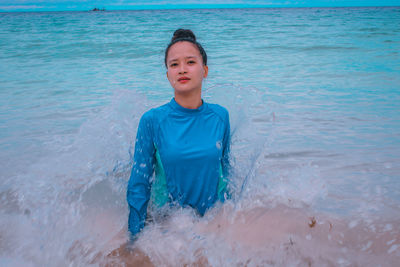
{"points": [[138, 193], [223, 189], [226, 150]]}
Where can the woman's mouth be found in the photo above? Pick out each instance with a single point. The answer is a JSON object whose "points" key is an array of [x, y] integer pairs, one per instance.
{"points": [[183, 79]]}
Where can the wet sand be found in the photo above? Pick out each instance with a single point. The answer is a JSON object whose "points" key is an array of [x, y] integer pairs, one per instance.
{"points": [[261, 236], [308, 239]]}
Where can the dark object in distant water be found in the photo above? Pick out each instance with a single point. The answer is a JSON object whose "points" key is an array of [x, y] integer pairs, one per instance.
{"points": [[98, 9]]}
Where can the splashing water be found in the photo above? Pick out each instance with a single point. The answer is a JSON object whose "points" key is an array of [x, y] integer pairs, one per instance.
{"points": [[70, 208]]}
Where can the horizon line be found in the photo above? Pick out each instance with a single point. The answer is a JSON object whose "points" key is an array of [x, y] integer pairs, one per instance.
{"points": [[192, 6]]}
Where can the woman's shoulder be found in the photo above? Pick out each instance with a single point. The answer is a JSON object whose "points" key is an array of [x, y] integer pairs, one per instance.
{"points": [[221, 111], [156, 113]]}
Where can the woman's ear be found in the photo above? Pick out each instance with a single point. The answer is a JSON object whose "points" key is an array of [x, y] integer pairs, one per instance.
{"points": [[205, 67]]}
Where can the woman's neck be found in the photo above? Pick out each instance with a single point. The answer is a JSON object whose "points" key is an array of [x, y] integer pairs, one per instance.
{"points": [[191, 101]]}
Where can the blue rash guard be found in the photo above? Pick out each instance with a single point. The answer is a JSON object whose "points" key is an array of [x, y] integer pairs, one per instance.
{"points": [[188, 151]]}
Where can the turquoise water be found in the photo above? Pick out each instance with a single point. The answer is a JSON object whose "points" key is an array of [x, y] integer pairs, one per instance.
{"points": [[313, 95]]}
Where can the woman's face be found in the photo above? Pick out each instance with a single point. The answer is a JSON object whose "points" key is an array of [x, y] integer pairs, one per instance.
{"points": [[185, 68]]}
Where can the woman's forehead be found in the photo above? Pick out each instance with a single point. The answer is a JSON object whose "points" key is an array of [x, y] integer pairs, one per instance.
{"points": [[183, 50]]}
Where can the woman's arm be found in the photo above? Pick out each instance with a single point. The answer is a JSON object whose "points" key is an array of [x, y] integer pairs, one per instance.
{"points": [[227, 148], [223, 191], [138, 193]]}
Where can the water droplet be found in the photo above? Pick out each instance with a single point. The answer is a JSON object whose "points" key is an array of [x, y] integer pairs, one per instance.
{"points": [[218, 144]]}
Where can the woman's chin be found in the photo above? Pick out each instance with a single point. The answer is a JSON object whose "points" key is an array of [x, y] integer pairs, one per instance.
{"points": [[184, 91]]}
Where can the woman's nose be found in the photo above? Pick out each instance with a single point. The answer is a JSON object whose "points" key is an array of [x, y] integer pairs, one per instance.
{"points": [[182, 68]]}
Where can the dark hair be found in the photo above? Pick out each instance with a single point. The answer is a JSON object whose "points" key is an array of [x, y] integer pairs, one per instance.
{"points": [[183, 35]]}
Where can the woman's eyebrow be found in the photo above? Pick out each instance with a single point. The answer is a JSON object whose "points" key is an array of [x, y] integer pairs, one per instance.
{"points": [[175, 59]]}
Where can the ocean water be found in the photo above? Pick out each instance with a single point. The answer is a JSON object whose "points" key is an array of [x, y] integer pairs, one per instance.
{"points": [[313, 95]]}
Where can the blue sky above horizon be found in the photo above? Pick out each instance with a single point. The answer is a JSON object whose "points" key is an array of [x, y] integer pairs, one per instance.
{"points": [[62, 5]]}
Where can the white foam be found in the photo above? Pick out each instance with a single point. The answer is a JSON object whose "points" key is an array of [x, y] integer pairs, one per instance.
{"points": [[393, 248]]}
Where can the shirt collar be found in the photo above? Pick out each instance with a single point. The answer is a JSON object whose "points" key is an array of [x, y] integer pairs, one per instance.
{"points": [[178, 107]]}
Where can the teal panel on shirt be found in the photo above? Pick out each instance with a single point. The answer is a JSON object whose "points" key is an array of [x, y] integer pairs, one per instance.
{"points": [[159, 192]]}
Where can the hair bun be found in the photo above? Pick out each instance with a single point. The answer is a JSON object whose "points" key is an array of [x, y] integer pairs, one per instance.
{"points": [[183, 34]]}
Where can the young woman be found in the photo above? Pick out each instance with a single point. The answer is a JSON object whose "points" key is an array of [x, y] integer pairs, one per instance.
{"points": [[185, 142]]}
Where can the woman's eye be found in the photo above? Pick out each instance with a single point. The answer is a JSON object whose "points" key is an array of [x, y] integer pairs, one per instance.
{"points": [[191, 62], [173, 65]]}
